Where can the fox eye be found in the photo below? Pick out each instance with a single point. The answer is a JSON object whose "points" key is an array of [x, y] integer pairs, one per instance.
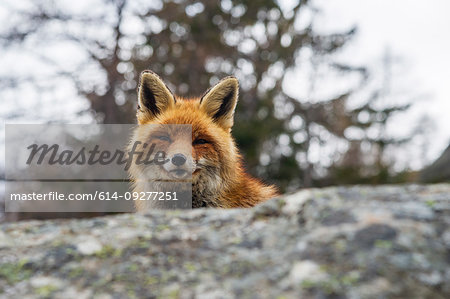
{"points": [[200, 141], [163, 138]]}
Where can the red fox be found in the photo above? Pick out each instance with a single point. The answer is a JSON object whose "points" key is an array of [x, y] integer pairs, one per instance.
{"points": [[211, 159]]}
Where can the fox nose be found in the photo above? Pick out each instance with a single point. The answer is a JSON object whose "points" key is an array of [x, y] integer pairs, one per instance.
{"points": [[178, 159]]}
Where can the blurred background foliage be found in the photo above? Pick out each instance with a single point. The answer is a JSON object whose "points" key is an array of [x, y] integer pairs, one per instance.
{"points": [[287, 139]]}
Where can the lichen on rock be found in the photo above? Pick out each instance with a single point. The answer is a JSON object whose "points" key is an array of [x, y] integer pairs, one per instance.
{"points": [[341, 242]]}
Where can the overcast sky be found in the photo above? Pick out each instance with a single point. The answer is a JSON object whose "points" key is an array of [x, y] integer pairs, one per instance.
{"points": [[418, 32]]}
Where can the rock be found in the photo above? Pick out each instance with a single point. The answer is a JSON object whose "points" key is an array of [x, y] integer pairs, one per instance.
{"points": [[89, 247], [342, 242], [5, 241], [307, 272]]}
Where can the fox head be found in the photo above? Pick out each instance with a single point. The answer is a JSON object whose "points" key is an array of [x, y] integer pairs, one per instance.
{"points": [[208, 156], [217, 104]]}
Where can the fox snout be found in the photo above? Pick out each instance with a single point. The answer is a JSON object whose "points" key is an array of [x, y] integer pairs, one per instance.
{"points": [[178, 159], [180, 165]]}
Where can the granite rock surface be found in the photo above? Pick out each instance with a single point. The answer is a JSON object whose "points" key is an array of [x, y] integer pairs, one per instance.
{"points": [[343, 242]]}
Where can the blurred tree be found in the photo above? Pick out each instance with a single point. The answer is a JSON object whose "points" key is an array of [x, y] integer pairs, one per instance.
{"points": [[366, 160], [192, 44], [439, 170]]}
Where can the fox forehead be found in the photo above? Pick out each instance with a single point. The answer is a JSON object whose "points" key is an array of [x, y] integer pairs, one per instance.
{"points": [[187, 111]]}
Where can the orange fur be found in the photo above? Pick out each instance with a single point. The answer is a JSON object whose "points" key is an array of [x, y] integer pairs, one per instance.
{"points": [[225, 184]]}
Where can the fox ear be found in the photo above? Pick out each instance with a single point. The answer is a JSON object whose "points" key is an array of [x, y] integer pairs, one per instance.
{"points": [[220, 101], [154, 95]]}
